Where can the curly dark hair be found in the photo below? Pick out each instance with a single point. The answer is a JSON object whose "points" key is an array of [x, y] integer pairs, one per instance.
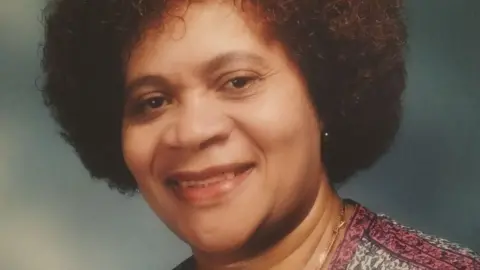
{"points": [[350, 52]]}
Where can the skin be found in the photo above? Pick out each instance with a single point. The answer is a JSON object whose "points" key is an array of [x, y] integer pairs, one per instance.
{"points": [[198, 98]]}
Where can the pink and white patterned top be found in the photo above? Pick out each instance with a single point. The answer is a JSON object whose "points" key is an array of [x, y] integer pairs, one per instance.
{"points": [[376, 242]]}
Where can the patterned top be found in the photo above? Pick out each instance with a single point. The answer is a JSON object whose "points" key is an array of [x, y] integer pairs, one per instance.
{"points": [[373, 241]]}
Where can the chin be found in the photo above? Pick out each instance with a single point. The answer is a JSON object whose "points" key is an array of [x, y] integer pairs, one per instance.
{"points": [[217, 246], [218, 241]]}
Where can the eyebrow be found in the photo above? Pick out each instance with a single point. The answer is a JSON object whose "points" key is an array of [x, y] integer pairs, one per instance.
{"points": [[225, 59], [147, 81], [218, 62]]}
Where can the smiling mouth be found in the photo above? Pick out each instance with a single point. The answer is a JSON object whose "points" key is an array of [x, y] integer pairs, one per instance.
{"points": [[208, 184]]}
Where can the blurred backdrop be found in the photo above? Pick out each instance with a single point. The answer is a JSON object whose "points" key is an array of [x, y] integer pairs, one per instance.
{"points": [[53, 217]]}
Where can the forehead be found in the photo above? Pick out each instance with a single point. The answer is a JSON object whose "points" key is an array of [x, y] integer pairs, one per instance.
{"points": [[197, 32]]}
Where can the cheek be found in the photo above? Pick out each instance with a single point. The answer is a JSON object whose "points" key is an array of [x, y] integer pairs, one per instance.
{"points": [[138, 147], [283, 117], [285, 127]]}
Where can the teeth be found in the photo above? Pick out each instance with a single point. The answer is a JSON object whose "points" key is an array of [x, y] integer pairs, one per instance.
{"points": [[229, 176], [207, 182]]}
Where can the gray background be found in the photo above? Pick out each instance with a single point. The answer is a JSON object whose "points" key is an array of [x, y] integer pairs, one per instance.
{"points": [[53, 217]]}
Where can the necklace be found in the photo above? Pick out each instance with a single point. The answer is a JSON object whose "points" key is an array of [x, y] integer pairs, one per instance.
{"points": [[337, 229]]}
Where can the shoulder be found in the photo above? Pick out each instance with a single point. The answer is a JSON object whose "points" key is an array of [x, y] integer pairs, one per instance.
{"points": [[385, 244]]}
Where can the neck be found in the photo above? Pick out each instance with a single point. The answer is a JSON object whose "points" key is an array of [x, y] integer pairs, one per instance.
{"points": [[302, 246]]}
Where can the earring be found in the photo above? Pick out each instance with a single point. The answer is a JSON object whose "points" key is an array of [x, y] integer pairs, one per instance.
{"points": [[326, 139], [325, 136]]}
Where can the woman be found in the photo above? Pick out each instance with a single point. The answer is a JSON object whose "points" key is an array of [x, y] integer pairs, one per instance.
{"points": [[235, 118]]}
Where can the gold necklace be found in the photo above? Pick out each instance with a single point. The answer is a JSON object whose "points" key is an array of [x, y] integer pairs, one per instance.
{"points": [[337, 229]]}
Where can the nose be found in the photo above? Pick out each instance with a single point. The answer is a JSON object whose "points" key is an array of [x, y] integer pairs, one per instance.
{"points": [[199, 124]]}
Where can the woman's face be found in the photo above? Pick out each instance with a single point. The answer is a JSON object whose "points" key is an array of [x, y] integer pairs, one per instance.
{"points": [[218, 129]]}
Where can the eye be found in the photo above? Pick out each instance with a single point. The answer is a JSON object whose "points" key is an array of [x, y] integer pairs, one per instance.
{"points": [[150, 104], [154, 102], [240, 82]]}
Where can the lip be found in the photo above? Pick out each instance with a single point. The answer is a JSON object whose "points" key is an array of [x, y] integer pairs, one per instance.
{"points": [[198, 188]]}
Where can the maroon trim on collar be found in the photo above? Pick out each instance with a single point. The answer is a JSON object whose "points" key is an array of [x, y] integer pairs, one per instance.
{"points": [[360, 221]]}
